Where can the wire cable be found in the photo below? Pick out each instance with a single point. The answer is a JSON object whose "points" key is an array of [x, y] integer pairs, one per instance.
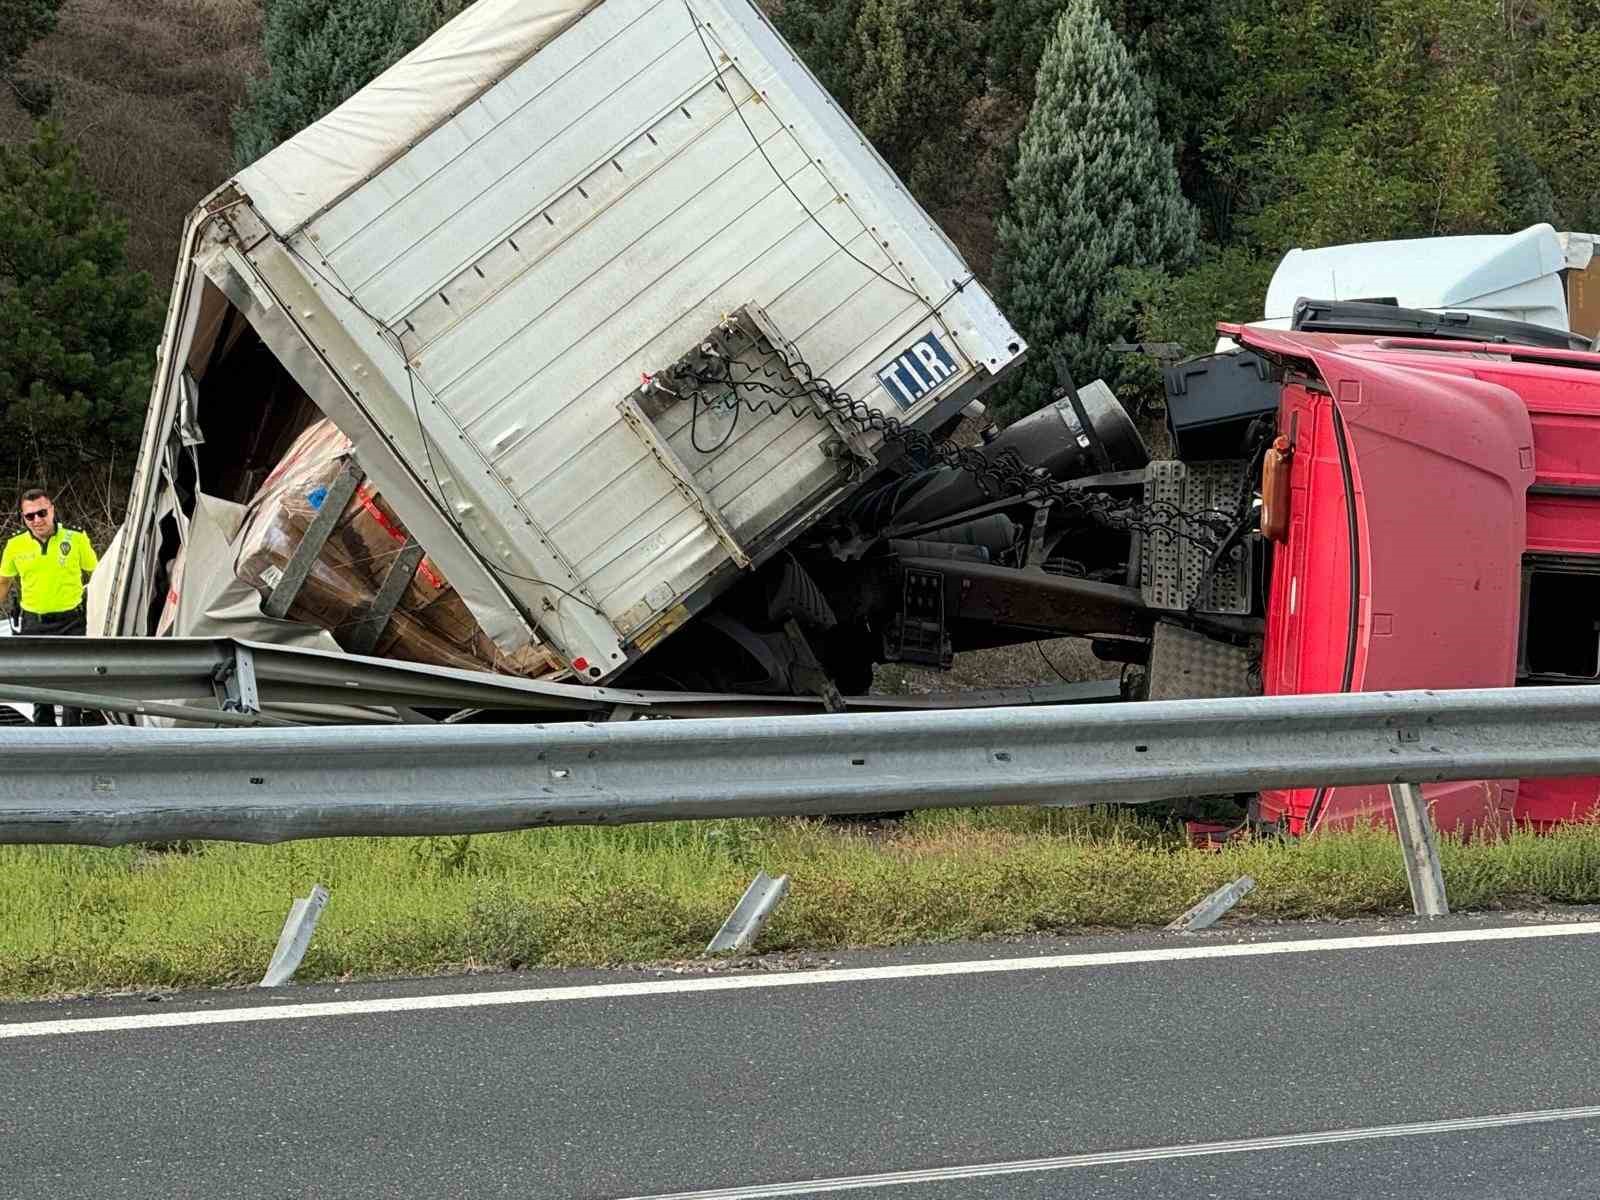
{"points": [[392, 339], [957, 286], [1039, 646], [716, 72], [771, 385], [696, 404]]}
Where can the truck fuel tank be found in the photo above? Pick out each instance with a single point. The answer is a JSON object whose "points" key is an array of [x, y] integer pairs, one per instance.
{"points": [[1052, 438]]}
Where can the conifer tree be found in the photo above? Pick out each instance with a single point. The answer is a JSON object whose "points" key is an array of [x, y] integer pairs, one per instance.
{"points": [[1094, 190], [320, 53], [22, 23], [78, 329], [912, 66]]}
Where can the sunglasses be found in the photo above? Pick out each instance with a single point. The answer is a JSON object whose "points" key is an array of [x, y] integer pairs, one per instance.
{"points": [[36, 516]]}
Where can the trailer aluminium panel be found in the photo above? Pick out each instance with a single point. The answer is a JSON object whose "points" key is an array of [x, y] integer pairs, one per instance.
{"points": [[481, 267]]}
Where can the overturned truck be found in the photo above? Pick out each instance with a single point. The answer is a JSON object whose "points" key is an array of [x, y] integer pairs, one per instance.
{"points": [[551, 349], [592, 342]]}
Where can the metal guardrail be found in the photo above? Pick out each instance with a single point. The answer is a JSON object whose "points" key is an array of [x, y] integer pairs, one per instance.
{"points": [[240, 677], [115, 786], [226, 681]]}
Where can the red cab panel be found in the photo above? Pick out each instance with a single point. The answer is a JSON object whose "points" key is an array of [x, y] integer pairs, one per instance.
{"points": [[1407, 526]]}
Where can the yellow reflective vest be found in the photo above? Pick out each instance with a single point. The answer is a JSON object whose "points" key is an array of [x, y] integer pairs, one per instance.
{"points": [[52, 574]]}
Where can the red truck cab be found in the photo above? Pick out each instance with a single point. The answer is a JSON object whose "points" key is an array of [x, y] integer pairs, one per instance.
{"points": [[1443, 531]]}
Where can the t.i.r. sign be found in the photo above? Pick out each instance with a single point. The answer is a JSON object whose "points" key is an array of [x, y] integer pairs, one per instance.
{"points": [[917, 370]]}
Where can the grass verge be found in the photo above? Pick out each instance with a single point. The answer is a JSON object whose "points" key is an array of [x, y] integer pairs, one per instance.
{"points": [[78, 919]]}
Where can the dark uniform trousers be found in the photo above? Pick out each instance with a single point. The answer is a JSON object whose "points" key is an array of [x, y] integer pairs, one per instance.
{"points": [[62, 624]]}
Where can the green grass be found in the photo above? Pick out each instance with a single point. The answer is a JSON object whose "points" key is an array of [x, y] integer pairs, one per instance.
{"points": [[78, 919]]}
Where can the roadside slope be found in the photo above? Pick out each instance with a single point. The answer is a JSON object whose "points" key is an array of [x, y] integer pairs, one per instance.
{"points": [[84, 919]]}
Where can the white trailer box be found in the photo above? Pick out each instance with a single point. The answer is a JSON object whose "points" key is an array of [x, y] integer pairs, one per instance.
{"points": [[473, 264]]}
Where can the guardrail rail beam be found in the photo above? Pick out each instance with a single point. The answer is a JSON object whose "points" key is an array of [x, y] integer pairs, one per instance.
{"points": [[116, 786]]}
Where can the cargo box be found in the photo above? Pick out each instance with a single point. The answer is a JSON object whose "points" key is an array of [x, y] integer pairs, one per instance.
{"points": [[486, 267]]}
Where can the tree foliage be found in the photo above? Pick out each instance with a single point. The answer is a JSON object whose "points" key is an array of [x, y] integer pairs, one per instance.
{"points": [[320, 53], [904, 69], [819, 31], [1183, 308], [1094, 190], [77, 327], [912, 65], [22, 23], [1364, 120], [1283, 122], [1563, 115]]}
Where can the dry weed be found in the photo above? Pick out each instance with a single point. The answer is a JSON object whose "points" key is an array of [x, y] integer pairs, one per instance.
{"points": [[146, 89]]}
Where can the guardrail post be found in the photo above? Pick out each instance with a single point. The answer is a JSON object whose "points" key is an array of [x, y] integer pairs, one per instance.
{"points": [[749, 917], [234, 682], [1421, 850], [295, 938], [1211, 909]]}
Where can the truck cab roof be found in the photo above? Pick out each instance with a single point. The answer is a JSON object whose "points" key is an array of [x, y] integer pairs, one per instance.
{"points": [[1536, 276], [1516, 276]]}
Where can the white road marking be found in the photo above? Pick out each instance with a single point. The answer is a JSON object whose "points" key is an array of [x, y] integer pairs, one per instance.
{"points": [[1111, 1158], [730, 983]]}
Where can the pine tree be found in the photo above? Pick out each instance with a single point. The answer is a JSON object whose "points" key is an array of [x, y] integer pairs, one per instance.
{"points": [[1565, 140], [912, 65], [22, 23], [1094, 190], [1179, 48], [78, 329], [819, 31], [320, 53]]}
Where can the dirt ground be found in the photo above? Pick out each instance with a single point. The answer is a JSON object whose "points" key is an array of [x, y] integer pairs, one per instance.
{"points": [[1055, 661]]}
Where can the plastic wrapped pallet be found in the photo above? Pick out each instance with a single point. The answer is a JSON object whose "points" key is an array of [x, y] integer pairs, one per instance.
{"points": [[430, 624]]}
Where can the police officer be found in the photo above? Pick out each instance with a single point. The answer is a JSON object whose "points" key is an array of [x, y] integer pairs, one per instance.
{"points": [[52, 562]]}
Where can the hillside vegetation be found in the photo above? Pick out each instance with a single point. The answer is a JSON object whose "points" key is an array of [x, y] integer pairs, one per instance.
{"points": [[146, 90], [1111, 168]]}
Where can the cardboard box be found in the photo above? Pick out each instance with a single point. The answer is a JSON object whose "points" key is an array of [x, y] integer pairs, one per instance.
{"points": [[1583, 300], [430, 624]]}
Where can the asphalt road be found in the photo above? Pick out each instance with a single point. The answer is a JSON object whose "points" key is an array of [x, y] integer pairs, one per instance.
{"points": [[888, 1066]]}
